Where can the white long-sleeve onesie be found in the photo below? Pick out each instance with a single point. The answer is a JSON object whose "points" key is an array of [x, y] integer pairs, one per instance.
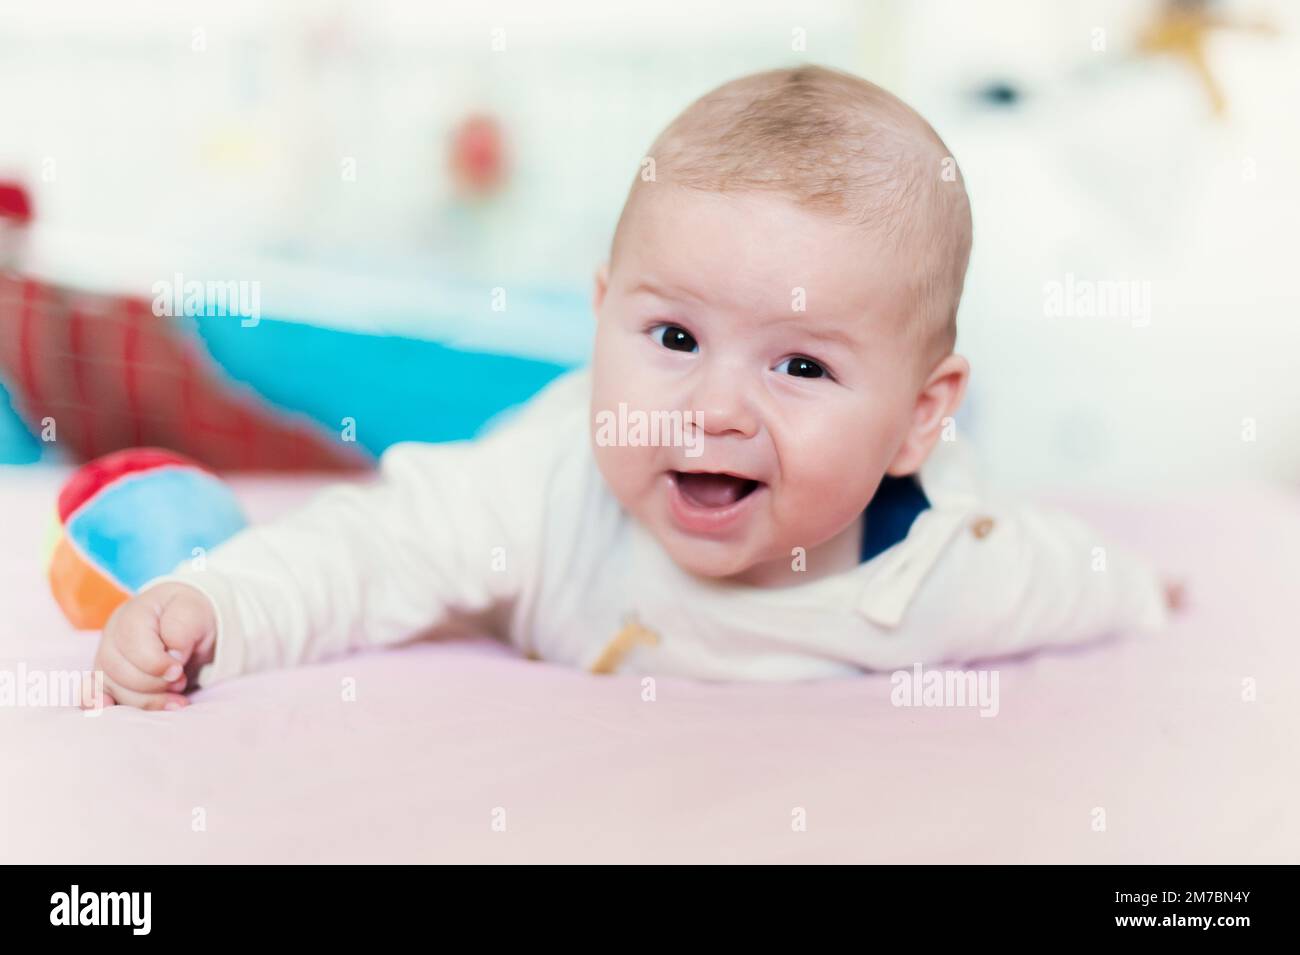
{"points": [[521, 522]]}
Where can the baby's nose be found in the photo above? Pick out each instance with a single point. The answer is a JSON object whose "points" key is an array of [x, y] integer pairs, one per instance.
{"points": [[720, 407]]}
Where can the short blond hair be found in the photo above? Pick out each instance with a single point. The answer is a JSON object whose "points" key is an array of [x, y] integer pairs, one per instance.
{"points": [[838, 145]]}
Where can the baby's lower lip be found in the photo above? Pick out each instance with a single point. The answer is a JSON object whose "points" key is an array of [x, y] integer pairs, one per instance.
{"points": [[697, 518]]}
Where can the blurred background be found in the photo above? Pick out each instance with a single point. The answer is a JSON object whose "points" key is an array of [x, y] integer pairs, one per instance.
{"points": [[239, 229]]}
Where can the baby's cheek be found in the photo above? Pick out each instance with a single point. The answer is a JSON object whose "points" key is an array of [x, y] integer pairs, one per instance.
{"points": [[628, 471], [827, 488]]}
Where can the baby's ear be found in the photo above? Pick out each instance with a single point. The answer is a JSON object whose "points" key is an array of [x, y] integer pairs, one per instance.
{"points": [[602, 283], [937, 400]]}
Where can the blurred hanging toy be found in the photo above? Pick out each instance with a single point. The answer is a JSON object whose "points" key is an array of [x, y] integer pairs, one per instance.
{"points": [[1183, 28], [15, 215], [478, 162], [127, 518]]}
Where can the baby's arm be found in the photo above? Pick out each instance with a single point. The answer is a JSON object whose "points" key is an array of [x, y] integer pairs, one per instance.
{"points": [[363, 566], [449, 528]]}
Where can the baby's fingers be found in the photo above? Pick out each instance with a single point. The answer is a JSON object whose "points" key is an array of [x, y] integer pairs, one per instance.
{"points": [[124, 673], [140, 643], [185, 624], [144, 701]]}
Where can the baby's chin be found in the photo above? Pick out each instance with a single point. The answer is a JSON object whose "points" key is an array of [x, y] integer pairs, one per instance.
{"points": [[717, 560]]}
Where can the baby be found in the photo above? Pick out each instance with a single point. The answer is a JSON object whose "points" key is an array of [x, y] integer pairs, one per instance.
{"points": [[783, 497]]}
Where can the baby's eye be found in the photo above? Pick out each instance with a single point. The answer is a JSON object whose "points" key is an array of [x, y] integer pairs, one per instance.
{"points": [[802, 368], [674, 337]]}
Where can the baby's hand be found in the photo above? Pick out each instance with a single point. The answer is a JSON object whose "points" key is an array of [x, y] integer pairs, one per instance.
{"points": [[153, 644]]}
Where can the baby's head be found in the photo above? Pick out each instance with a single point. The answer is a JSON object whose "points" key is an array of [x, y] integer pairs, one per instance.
{"points": [[775, 325]]}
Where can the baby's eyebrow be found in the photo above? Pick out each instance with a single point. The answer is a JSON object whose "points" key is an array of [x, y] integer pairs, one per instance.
{"points": [[645, 286], [835, 336]]}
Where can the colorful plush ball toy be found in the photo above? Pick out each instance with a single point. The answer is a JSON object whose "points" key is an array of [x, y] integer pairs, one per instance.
{"points": [[127, 518]]}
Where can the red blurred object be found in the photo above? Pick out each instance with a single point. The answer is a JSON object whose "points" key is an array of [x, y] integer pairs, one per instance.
{"points": [[15, 204], [112, 375], [478, 161]]}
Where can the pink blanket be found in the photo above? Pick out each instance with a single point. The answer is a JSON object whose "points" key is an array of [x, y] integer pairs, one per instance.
{"points": [[460, 751]]}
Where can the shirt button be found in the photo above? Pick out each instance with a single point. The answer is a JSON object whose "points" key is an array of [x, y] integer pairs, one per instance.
{"points": [[982, 527]]}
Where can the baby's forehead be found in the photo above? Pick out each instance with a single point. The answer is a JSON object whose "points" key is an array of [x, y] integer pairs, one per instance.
{"points": [[762, 241]]}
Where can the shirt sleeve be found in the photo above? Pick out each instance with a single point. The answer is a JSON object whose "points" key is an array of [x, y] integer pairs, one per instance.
{"points": [[446, 529], [1021, 578]]}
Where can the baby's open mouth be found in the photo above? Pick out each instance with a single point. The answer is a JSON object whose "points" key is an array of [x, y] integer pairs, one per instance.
{"points": [[705, 489]]}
